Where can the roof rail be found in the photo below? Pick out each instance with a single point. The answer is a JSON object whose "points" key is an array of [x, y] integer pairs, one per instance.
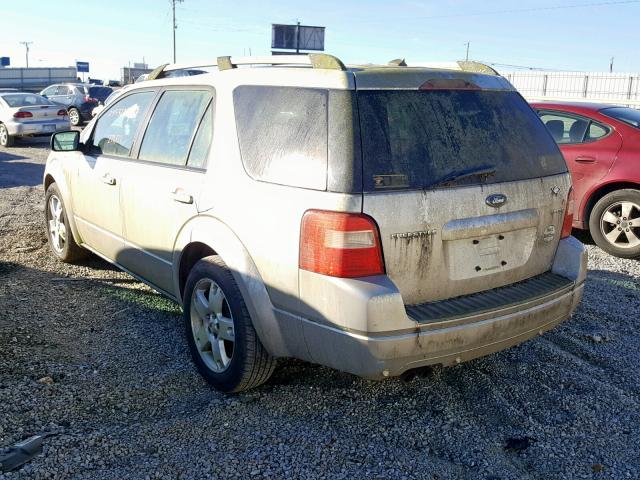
{"points": [[314, 60]]}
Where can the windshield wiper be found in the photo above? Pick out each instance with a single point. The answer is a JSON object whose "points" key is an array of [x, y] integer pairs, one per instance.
{"points": [[481, 171]]}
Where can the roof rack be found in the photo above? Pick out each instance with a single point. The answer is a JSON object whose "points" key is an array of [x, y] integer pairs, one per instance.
{"points": [[314, 60]]}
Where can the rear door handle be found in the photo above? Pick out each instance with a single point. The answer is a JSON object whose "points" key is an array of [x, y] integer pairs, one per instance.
{"points": [[585, 159], [181, 196], [108, 179]]}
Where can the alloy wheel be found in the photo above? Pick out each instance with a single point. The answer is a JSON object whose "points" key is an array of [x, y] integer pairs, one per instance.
{"points": [[57, 228], [620, 224], [212, 325]]}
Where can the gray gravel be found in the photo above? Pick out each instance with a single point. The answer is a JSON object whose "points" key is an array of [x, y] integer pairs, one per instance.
{"points": [[124, 400]]}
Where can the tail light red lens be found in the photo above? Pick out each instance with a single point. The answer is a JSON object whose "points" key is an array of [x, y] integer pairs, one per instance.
{"points": [[340, 244], [62, 113], [448, 84], [22, 115], [87, 98], [567, 224]]}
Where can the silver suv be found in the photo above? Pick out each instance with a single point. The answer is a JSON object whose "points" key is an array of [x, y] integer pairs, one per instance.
{"points": [[372, 219]]}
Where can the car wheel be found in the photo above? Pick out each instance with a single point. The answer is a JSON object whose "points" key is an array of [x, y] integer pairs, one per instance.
{"points": [[223, 343], [614, 223], [59, 234], [74, 117], [6, 140]]}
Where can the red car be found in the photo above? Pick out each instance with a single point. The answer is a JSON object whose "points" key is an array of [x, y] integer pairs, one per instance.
{"points": [[601, 144]]}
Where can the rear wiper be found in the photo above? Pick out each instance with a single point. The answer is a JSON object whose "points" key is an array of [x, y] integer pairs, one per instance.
{"points": [[482, 171]]}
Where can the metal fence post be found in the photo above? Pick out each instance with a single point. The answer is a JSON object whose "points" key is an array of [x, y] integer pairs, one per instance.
{"points": [[544, 85], [586, 86]]}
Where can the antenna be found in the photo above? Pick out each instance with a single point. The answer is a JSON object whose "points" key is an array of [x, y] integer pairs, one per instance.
{"points": [[26, 46]]}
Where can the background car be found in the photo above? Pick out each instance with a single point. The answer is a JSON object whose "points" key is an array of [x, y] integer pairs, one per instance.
{"points": [[78, 98], [23, 114], [601, 144]]}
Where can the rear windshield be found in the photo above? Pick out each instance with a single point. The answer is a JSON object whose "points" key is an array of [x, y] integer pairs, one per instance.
{"points": [[22, 100], [421, 139], [624, 114]]}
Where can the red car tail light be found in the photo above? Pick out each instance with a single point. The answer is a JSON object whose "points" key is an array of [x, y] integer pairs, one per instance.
{"points": [[62, 113], [567, 224], [89, 99], [22, 115], [340, 244]]}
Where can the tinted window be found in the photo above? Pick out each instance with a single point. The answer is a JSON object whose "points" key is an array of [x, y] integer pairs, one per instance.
{"points": [[22, 100], [565, 128], [417, 139], [115, 131], [283, 134], [200, 149], [172, 126], [100, 93], [624, 114]]}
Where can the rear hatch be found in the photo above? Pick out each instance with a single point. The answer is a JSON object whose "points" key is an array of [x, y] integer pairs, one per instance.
{"points": [[466, 185]]}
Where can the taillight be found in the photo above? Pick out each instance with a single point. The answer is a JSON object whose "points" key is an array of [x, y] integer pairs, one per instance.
{"points": [[87, 98], [340, 244], [567, 224], [448, 84], [22, 115], [62, 113]]}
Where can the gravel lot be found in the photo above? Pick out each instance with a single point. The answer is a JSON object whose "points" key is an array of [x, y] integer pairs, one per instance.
{"points": [[99, 360]]}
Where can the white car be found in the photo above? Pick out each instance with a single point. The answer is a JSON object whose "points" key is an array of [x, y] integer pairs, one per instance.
{"points": [[29, 114], [115, 94]]}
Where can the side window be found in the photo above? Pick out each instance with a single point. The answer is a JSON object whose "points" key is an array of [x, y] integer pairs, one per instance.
{"points": [[202, 142], [282, 133], [50, 91], [565, 128], [172, 126], [115, 131], [596, 131], [63, 90]]}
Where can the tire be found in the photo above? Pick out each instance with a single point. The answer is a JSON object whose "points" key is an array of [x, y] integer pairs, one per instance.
{"points": [[215, 314], [62, 244], [6, 140], [74, 117], [614, 223]]}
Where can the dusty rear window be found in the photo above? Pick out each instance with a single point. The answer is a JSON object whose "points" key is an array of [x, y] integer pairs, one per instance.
{"points": [[422, 139], [282, 133]]}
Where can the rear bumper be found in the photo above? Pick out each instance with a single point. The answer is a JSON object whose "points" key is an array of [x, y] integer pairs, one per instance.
{"points": [[378, 354], [37, 128]]}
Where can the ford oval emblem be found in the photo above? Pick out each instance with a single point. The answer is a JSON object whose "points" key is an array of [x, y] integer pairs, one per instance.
{"points": [[496, 200]]}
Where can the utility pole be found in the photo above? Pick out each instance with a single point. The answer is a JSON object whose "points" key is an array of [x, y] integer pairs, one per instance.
{"points": [[175, 26], [467, 44], [26, 45], [298, 37], [611, 65]]}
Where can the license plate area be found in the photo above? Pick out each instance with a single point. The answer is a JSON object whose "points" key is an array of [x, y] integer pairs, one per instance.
{"points": [[489, 254]]}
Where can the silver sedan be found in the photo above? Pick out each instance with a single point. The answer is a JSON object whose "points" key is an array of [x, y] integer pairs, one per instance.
{"points": [[28, 114]]}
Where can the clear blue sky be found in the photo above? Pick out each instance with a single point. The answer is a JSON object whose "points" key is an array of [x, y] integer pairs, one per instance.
{"points": [[109, 34]]}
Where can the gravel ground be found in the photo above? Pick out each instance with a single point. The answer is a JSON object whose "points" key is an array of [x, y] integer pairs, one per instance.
{"points": [[99, 360]]}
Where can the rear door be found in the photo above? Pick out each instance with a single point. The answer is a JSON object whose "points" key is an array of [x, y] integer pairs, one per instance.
{"points": [[466, 185], [160, 189], [588, 146]]}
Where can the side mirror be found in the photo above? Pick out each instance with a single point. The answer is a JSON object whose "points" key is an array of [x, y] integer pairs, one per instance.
{"points": [[65, 141]]}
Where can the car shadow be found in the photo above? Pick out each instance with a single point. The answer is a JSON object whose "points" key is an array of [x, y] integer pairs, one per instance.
{"points": [[16, 172]]}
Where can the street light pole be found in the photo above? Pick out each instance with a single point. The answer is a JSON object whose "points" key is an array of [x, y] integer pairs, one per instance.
{"points": [[467, 44], [26, 45], [175, 26]]}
